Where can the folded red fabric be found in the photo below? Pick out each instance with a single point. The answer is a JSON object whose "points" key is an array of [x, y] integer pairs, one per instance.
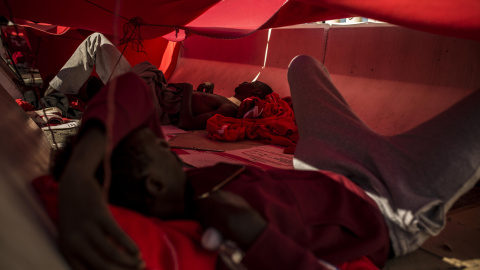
{"points": [[271, 120]]}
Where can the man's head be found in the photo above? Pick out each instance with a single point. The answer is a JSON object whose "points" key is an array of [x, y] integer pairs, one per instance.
{"points": [[147, 177], [255, 89]]}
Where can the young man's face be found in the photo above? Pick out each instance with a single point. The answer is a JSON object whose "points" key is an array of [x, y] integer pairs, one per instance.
{"points": [[165, 175]]}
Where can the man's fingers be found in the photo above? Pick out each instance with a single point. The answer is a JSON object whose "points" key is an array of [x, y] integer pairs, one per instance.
{"points": [[75, 264], [96, 249], [84, 256], [72, 260], [110, 249], [97, 261]]}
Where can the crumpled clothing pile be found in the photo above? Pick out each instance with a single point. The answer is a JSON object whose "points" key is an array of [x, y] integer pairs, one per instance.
{"points": [[271, 120]]}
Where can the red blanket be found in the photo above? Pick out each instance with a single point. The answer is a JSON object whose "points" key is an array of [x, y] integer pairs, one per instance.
{"points": [[271, 120]]}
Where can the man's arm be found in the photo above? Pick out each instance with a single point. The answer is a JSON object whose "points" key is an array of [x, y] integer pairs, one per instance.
{"points": [[265, 246], [303, 219], [88, 235], [213, 105]]}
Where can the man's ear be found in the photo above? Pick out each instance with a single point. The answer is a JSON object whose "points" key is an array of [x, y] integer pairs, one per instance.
{"points": [[154, 186]]}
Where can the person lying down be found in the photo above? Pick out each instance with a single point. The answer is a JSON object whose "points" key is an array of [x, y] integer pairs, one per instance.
{"points": [[175, 103], [277, 219], [149, 179]]}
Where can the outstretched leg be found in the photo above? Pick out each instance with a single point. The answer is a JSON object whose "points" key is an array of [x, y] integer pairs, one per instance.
{"points": [[96, 50], [414, 177], [332, 137]]}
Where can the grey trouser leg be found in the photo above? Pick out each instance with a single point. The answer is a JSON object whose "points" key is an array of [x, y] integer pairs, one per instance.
{"points": [[96, 50], [415, 177]]}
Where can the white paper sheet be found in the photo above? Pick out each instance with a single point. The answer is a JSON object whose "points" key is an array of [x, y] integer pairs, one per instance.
{"points": [[265, 157]]}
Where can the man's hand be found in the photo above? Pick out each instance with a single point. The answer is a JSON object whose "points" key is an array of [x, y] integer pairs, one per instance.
{"points": [[232, 216], [206, 87], [89, 237]]}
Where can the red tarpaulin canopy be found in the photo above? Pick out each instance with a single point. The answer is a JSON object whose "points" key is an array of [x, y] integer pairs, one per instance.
{"points": [[237, 18], [174, 19]]}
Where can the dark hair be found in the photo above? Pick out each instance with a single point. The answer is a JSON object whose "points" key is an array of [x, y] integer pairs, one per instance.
{"points": [[266, 89]]}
